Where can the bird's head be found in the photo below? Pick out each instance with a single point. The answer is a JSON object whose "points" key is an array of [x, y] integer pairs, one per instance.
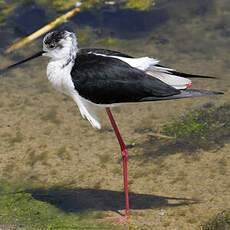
{"points": [[60, 45]]}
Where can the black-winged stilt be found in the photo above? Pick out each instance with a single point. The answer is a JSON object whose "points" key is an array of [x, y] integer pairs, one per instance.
{"points": [[105, 78]]}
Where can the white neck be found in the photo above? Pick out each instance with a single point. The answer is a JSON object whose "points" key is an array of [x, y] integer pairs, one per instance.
{"points": [[67, 53]]}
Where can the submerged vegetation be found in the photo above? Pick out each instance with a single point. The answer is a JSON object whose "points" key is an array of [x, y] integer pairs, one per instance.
{"points": [[220, 222], [60, 5], [202, 128], [20, 210], [140, 4], [135, 4], [5, 10], [206, 128]]}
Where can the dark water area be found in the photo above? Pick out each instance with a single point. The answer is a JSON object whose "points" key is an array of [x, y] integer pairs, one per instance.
{"points": [[124, 24], [112, 21], [27, 19], [121, 23]]}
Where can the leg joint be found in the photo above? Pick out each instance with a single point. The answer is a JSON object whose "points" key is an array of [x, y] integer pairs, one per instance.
{"points": [[124, 153]]}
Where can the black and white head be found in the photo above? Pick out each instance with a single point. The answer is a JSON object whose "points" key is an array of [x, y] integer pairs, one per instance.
{"points": [[60, 45]]}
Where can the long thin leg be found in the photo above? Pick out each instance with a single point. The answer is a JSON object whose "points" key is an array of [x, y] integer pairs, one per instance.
{"points": [[124, 154]]}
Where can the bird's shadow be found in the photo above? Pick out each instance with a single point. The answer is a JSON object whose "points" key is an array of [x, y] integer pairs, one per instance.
{"points": [[82, 199]]}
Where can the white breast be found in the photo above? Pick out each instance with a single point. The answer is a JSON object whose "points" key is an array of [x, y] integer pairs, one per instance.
{"points": [[61, 80], [60, 77]]}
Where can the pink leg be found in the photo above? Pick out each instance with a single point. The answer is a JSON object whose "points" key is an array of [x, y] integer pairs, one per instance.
{"points": [[124, 154]]}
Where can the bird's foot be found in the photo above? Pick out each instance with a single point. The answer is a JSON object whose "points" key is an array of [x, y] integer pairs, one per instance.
{"points": [[119, 218]]}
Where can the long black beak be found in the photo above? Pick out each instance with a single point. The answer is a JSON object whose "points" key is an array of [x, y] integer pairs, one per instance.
{"points": [[21, 62]]}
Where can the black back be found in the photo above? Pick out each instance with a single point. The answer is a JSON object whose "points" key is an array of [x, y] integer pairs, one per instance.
{"points": [[107, 80], [103, 52]]}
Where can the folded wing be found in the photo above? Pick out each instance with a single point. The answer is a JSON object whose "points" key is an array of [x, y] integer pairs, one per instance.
{"points": [[108, 80], [151, 66]]}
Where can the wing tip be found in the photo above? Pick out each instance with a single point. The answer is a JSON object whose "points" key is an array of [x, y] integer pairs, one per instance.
{"points": [[187, 75], [190, 93], [200, 93], [205, 92]]}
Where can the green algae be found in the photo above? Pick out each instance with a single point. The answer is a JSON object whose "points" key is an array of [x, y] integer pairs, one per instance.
{"points": [[21, 210], [219, 222], [202, 128]]}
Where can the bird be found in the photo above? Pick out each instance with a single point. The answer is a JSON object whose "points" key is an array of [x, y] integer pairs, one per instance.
{"points": [[103, 78]]}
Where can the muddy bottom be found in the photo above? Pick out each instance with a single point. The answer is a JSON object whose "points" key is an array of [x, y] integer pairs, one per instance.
{"points": [[49, 151]]}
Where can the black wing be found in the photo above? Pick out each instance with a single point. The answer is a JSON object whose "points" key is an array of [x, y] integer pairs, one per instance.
{"points": [[119, 54], [103, 52], [186, 75], [106, 80], [185, 94]]}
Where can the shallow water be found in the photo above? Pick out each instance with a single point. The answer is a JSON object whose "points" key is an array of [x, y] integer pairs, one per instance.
{"points": [[46, 143]]}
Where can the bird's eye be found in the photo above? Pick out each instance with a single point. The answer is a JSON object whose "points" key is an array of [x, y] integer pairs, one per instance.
{"points": [[52, 45]]}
